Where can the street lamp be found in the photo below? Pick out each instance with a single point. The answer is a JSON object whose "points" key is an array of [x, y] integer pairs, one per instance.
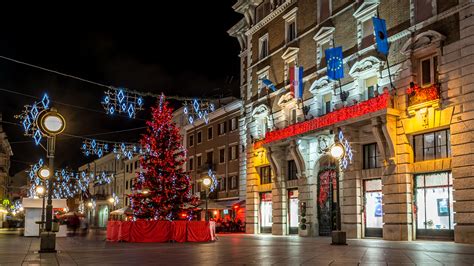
{"points": [[89, 204], [145, 191], [51, 123], [337, 151], [44, 172], [40, 190], [111, 200], [207, 182]]}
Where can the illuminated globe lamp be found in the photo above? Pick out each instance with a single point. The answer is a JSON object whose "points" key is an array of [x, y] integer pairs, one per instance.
{"points": [[40, 190], [337, 151], [207, 182], [44, 172], [51, 122], [89, 204], [145, 191], [111, 200]]}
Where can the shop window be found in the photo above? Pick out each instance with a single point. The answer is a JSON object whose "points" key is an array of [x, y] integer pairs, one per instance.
{"points": [[266, 218], [428, 71], [265, 175], [434, 201], [433, 145], [293, 207], [371, 156], [292, 171]]}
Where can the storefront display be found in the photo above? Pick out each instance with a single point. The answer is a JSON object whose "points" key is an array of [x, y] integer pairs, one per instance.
{"points": [[434, 204], [293, 211], [373, 211], [266, 219]]}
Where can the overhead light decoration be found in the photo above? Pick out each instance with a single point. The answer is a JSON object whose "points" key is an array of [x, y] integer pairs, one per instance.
{"points": [[213, 180], [122, 101], [29, 118], [120, 149], [347, 155], [198, 110]]}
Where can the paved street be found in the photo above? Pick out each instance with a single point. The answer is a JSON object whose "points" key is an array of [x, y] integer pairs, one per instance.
{"points": [[234, 250]]}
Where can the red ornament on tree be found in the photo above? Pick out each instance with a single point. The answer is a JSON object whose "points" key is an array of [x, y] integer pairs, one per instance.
{"points": [[162, 190]]}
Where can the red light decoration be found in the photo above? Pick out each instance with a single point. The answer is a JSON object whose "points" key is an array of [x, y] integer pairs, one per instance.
{"points": [[369, 106], [417, 95], [236, 206]]}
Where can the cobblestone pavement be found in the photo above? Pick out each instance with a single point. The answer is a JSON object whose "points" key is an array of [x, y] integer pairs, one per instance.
{"points": [[233, 249]]}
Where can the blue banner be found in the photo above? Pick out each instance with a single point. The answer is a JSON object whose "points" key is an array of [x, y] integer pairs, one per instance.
{"points": [[334, 62], [381, 37], [268, 84]]}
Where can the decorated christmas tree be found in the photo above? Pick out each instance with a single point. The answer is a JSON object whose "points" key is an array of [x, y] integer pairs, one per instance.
{"points": [[162, 190]]}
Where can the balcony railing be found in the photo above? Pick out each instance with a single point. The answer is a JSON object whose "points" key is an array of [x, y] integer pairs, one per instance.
{"points": [[372, 105], [419, 95]]}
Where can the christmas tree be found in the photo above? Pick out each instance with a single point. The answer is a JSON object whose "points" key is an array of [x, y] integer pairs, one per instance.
{"points": [[162, 190]]}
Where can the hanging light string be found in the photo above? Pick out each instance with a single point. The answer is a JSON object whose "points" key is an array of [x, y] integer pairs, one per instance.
{"points": [[141, 93]]}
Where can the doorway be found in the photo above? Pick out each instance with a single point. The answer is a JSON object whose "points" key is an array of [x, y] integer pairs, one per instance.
{"points": [[293, 204], [373, 213], [327, 201], [266, 219]]}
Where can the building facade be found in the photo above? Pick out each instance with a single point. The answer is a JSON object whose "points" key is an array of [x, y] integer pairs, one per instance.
{"points": [[5, 154], [214, 148], [407, 118]]}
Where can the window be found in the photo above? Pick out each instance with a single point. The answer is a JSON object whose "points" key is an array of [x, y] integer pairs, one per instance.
{"points": [[127, 168], [324, 10], [136, 164], [191, 164], [263, 46], [423, 10], [191, 140], [126, 185], [232, 152], [265, 175], [210, 157], [262, 127], [263, 10], [233, 124], [222, 155], [234, 182], [367, 28], [291, 30], [199, 137], [199, 160], [327, 108], [371, 87], [209, 133], [221, 129], [371, 156], [292, 170], [433, 145], [198, 186], [428, 71], [222, 184]]}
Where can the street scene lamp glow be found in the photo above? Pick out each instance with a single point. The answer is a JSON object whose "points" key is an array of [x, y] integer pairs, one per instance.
{"points": [[44, 172], [337, 151], [145, 191], [89, 204], [207, 181], [52, 123], [40, 190], [111, 200]]}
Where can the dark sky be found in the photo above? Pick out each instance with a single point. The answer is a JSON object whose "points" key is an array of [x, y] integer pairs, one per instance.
{"points": [[175, 47]]}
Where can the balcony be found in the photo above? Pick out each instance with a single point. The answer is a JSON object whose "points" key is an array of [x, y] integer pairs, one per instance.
{"points": [[372, 105], [420, 97]]}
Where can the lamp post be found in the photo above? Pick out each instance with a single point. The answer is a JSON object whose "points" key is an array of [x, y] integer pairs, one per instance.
{"points": [[51, 123], [207, 182], [40, 190], [338, 152]]}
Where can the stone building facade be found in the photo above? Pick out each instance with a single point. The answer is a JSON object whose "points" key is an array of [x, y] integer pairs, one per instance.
{"points": [[215, 147], [407, 172]]}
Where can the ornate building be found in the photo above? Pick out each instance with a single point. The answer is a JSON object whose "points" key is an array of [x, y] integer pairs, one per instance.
{"points": [[5, 154], [406, 121]]}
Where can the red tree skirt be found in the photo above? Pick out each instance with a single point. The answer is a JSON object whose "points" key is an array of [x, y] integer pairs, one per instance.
{"points": [[161, 231]]}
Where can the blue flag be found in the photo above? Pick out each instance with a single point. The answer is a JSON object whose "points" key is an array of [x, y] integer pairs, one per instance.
{"points": [[268, 84], [380, 31], [335, 65]]}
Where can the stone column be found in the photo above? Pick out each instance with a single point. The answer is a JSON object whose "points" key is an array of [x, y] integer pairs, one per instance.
{"points": [[397, 185], [279, 192], [350, 188], [462, 133]]}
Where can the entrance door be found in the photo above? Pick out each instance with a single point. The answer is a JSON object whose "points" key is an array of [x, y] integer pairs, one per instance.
{"points": [[266, 219], [434, 205], [373, 208], [327, 201], [103, 216], [293, 204]]}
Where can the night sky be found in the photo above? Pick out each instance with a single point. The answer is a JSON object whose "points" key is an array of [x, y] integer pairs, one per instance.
{"points": [[175, 47]]}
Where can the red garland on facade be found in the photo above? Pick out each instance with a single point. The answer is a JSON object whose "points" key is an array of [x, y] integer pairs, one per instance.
{"points": [[161, 191], [418, 95], [369, 106]]}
